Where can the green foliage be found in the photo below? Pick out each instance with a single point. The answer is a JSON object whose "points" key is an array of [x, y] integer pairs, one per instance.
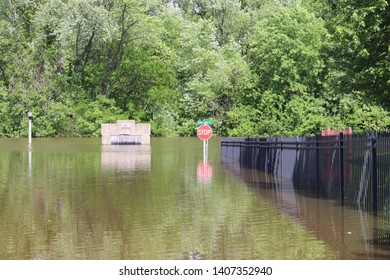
{"points": [[143, 77], [186, 127], [358, 49], [363, 115], [285, 51], [253, 67], [11, 115], [93, 114], [164, 123], [241, 121], [213, 93]]}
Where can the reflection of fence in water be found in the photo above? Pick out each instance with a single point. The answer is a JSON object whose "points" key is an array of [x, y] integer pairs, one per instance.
{"points": [[126, 157], [352, 171]]}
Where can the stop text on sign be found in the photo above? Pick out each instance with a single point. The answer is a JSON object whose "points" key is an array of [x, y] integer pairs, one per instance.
{"points": [[204, 132]]}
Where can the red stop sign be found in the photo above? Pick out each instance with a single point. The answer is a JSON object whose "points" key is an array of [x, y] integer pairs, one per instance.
{"points": [[204, 132]]}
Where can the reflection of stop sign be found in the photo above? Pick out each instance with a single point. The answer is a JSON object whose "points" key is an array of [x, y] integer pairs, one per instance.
{"points": [[204, 132], [205, 171]]}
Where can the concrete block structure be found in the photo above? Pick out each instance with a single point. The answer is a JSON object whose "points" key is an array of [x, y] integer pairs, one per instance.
{"points": [[125, 132]]}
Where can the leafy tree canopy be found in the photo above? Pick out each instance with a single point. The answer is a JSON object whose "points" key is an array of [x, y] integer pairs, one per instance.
{"points": [[253, 67]]}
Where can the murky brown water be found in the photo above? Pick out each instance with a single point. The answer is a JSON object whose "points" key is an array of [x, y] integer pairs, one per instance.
{"points": [[77, 199], [351, 233]]}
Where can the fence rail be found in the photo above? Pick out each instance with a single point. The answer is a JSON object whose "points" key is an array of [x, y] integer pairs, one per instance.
{"points": [[352, 169]]}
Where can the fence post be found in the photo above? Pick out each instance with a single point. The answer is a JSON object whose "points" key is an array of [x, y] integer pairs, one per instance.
{"points": [[317, 164], [281, 156], [297, 158], [374, 174], [266, 152], [341, 156]]}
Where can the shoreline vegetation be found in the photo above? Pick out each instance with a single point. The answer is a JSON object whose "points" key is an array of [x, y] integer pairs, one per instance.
{"points": [[252, 67]]}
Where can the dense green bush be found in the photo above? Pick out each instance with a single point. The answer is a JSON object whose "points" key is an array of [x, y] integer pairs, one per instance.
{"points": [[254, 68]]}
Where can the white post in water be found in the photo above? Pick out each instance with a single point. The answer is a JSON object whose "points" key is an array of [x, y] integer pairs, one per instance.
{"points": [[205, 150], [29, 161], [29, 115]]}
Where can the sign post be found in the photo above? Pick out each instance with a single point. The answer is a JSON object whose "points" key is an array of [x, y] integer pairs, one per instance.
{"points": [[204, 133], [29, 115], [205, 150]]}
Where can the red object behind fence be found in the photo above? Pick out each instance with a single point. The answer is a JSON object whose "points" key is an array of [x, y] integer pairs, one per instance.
{"points": [[347, 133], [331, 132]]}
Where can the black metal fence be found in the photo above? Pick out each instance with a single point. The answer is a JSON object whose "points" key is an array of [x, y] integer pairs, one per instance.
{"points": [[351, 169]]}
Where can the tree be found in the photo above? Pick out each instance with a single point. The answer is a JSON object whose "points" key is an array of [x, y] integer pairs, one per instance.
{"points": [[79, 28], [358, 54], [286, 51], [255, 67]]}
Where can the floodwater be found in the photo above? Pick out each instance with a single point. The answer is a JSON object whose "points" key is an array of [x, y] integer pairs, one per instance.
{"points": [[352, 232], [78, 199]]}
